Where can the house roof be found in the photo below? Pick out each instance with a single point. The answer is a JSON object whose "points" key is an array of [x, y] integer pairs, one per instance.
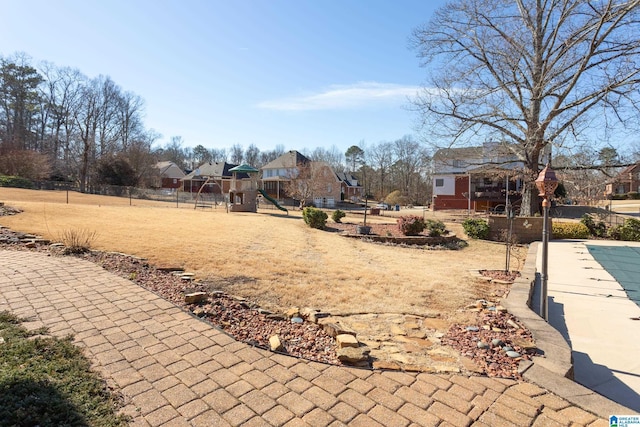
{"points": [[461, 153], [169, 169], [213, 170], [624, 175], [486, 150], [348, 179], [288, 160]]}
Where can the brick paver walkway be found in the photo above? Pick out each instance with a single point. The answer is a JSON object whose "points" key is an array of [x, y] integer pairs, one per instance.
{"points": [[176, 370]]}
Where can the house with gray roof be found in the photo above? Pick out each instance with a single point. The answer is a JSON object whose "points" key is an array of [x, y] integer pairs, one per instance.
{"points": [[479, 178]]}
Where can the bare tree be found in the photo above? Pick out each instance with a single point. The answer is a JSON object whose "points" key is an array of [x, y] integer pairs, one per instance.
{"points": [[333, 157], [530, 72], [381, 158], [410, 160], [218, 155], [174, 152], [308, 180], [237, 155], [60, 97], [252, 155]]}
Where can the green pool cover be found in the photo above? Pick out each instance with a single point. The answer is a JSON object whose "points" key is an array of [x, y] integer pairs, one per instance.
{"points": [[623, 263]]}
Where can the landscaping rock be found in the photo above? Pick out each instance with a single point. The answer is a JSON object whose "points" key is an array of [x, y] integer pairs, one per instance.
{"points": [[346, 340], [335, 329], [292, 312], [195, 297], [355, 356], [275, 344]]}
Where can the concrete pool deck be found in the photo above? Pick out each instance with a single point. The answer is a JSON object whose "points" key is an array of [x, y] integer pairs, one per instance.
{"points": [[594, 314]]}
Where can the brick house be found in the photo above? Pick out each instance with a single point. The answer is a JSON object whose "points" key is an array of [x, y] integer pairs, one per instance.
{"points": [[350, 188], [479, 178], [293, 168], [627, 181], [169, 175]]}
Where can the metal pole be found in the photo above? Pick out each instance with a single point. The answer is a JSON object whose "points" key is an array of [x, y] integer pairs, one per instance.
{"points": [[544, 309], [469, 201]]}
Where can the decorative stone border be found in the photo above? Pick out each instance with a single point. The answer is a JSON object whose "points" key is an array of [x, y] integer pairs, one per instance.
{"points": [[405, 240], [554, 370]]}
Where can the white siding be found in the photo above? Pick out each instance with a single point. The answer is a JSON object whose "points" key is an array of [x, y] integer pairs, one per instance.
{"points": [[448, 187]]}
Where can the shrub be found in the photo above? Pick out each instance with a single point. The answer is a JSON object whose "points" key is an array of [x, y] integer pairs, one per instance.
{"points": [[15, 182], [337, 215], [77, 241], [315, 218], [476, 228], [435, 228], [394, 198], [634, 195], [597, 229], [411, 225], [629, 230], [569, 230]]}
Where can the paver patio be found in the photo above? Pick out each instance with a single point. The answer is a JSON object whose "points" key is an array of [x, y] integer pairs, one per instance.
{"points": [[176, 370]]}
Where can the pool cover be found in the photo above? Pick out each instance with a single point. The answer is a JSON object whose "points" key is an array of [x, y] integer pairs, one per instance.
{"points": [[623, 263]]}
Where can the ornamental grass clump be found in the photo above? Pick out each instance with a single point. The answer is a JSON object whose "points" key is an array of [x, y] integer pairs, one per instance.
{"points": [[77, 241]]}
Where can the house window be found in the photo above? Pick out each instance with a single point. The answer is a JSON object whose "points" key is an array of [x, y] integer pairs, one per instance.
{"points": [[439, 182], [175, 180], [458, 164], [329, 188]]}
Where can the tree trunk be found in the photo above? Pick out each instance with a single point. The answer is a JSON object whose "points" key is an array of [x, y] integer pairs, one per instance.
{"points": [[530, 200]]}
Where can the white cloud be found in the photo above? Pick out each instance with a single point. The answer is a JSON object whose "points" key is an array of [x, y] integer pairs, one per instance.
{"points": [[343, 97]]}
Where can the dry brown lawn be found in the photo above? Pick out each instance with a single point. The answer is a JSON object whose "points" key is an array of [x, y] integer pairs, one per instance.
{"points": [[271, 258]]}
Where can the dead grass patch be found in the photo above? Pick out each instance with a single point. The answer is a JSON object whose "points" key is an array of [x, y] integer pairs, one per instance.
{"points": [[283, 261]]}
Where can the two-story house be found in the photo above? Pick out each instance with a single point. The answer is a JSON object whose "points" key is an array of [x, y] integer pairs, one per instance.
{"points": [[476, 178], [627, 181], [294, 176]]}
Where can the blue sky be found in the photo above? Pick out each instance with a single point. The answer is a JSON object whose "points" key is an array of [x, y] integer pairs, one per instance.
{"points": [[299, 73]]}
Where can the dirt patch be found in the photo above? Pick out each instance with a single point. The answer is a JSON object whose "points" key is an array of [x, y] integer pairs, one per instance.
{"points": [[506, 276]]}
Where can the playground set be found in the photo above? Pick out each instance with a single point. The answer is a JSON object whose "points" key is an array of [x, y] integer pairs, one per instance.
{"points": [[242, 194]]}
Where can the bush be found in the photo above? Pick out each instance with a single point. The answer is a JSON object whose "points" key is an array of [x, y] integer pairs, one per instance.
{"points": [[15, 182], [337, 215], [476, 228], [598, 229], [315, 218], [629, 230], [634, 195], [435, 228], [411, 225], [569, 230]]}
